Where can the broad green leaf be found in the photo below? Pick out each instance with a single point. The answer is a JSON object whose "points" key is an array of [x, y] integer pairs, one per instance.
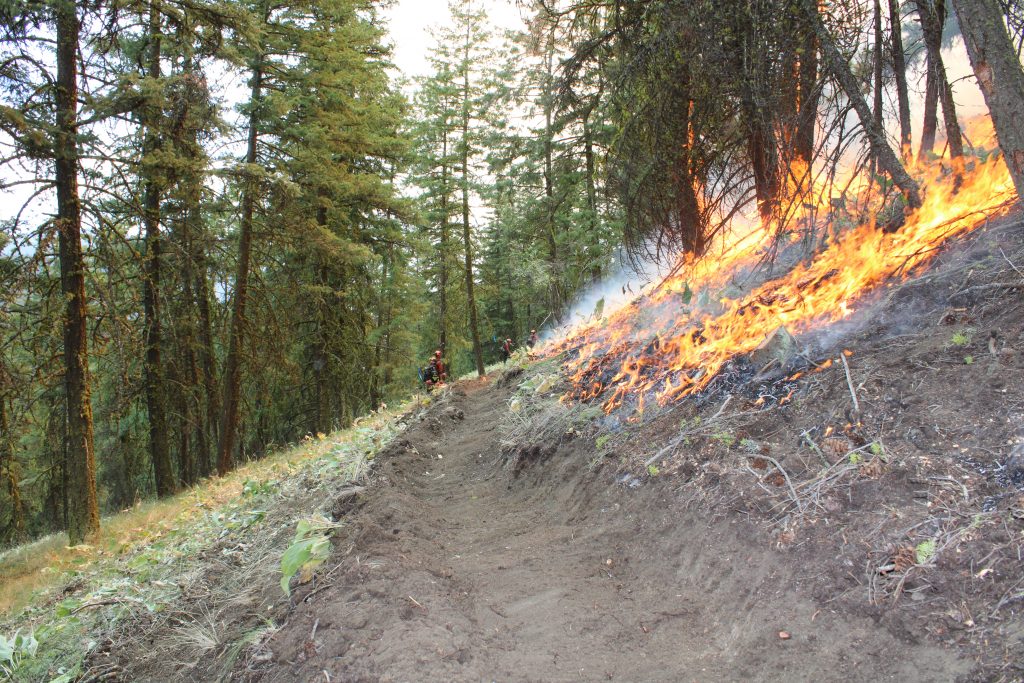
{"points": [[6, 650]]}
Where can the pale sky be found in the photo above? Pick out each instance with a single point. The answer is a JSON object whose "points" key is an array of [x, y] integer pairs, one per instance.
{"points": [[413, 24]]}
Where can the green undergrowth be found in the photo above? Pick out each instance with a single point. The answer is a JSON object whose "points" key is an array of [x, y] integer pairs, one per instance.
{"points": [[59, 603]]}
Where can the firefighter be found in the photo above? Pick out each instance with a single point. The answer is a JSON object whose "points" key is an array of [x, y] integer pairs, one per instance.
{"points": [[532, 341], [506, 350], [430, 375], [442, 369]]}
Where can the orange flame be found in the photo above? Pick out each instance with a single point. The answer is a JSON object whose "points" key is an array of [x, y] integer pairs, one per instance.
{"points": [[663, 342]]}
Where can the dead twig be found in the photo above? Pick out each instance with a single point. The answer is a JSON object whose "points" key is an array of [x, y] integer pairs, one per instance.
{"points": [[806, 435], [101, 603], [991, 285], [785, 475], [1012, 265], [689, 432], [849, 383], [1007, 597]]}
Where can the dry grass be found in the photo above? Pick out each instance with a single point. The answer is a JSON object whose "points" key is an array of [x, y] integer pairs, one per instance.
{"points": [[171, 582], [44, 564]]}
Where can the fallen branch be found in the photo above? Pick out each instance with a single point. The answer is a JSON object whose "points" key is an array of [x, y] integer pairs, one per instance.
{"points": [[849, 383], [682, 435], [991, 285], [1012, 264], [785, 475]]}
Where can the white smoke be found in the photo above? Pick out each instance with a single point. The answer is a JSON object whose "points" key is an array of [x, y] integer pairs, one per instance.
{"points": [[623, 283]]}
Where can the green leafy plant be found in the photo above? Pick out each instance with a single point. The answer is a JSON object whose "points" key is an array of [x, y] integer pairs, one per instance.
{"points": [[687, 294], [856, 458], [311, 547], [693, 423], [961, 338], [924, 552], [15, 650], [653, 470], [968, 360], [252, 487], [724, 438], [600, 442]]}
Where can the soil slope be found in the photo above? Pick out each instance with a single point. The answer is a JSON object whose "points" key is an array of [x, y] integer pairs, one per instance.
{"points": [[454, 567]]}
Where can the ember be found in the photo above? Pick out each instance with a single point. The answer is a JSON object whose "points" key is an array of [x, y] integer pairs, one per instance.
{"points": [[656, 345]]}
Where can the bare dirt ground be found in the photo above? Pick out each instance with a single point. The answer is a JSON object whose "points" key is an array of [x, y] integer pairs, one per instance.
{"points": [[452, 568]]}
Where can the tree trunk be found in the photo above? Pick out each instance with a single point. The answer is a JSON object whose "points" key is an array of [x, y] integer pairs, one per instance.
{"points": [[999, 75], [9, 471], [320, 340], [763, 161], [878, 103], [207, 358], [930, 123], [591, 170], [899, 66], [809, 94], [555, 288], [194, 309], [233, 369], [443, 244], [840, 68], [198, 394], [466, 230], [155, 378], [933, 16], [83, 517]]}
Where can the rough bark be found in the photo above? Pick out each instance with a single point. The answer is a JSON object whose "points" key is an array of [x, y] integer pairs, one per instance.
{"points": [[809, 94], [763, 160], [555, 286], [236, 334], [155, 374], [83, 518], [591, 166], [9, 472], [442, 285], [999, 75], [899, 67], [933, 16], [840, 69], [193, 419], [930, 122], [877, 104], [207, 358], [467, 235]]}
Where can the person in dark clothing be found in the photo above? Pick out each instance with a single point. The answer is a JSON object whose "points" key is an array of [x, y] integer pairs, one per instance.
{"points": [[506, 350], [532, 341], [431, 376]]}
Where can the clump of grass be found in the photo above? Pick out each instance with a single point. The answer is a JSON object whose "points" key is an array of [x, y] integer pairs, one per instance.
{"points": [[961, 337]]}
